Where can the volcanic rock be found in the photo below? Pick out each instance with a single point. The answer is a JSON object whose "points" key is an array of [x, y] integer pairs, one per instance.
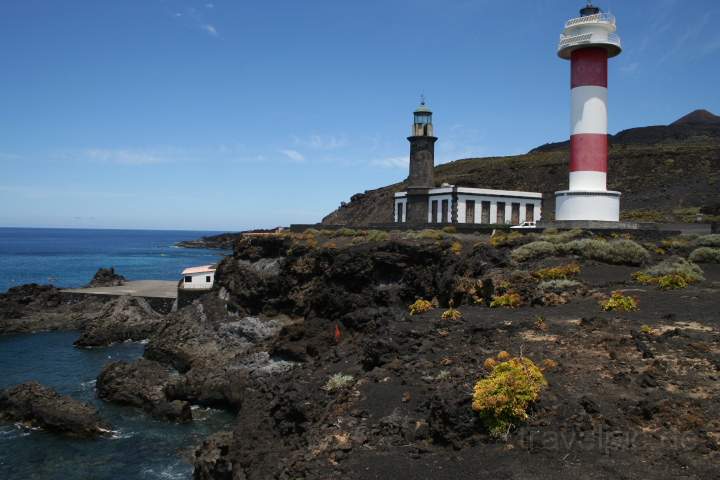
{"points": [[39, 406], [142, 384], [106, 277], [125, 318], [32, 308]]}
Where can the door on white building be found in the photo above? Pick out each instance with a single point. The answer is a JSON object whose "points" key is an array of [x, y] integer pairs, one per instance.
{"points": [[445, 208], [485, 214], [530, 212], [515, 214], [500, 213], [470, 211]]}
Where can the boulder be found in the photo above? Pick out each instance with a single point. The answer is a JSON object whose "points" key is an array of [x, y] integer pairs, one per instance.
{"points": [[33, 308], [211, 459], [106, 277], [127, 318], [142, 384], [20, 300], [39, 406]]}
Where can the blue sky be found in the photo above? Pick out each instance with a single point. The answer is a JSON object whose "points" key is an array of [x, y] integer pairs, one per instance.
{"points": [[223, 114]]}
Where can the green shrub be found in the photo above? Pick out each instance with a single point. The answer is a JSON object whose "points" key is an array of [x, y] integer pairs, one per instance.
{"points": [[705, 255], [676, 266], [420, 306], [346, 232], [509, 238], [619, 302], [503, 398], [449, 229], [429, 234], [337, 382], [556, 236], [534, 250], [617, 252], [559, 286], [508, 300], [377, 236], [708, 241], [678, 242]]}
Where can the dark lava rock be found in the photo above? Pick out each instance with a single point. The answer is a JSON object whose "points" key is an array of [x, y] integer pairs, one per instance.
{"points": [[19, 300], [40, 406], [358, 284], [212, 461], [142, 384], [33, 308], [127, 318], [223, 241], [106, 277], [589, 405]]}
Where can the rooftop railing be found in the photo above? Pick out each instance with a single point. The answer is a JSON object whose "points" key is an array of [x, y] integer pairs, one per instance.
{"points": [[566, 41], [597, 18]]}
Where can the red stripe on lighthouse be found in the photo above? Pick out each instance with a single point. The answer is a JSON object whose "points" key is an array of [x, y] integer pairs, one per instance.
{"points": [[588, 152], [589, 67]]}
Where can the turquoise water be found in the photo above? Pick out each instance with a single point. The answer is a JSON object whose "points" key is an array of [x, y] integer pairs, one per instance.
{"points": [[142, 448], [70, 257]]}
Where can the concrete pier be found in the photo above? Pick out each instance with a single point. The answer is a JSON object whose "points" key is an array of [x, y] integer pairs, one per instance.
{"points": [[138, 288], [162, 295]]}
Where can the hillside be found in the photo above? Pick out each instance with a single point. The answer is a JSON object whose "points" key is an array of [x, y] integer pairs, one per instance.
{"points": [[666, 173]]}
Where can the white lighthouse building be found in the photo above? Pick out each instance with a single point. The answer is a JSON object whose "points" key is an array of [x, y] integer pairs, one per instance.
{"points": [[588, 41]]}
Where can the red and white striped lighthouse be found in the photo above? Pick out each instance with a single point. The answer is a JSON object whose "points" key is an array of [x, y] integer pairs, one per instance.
{"points": [[588, 41]]}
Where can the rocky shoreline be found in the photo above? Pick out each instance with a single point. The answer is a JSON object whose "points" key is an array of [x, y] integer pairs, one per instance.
{"points": [[36, 406], [308, 338], [223, 241]]}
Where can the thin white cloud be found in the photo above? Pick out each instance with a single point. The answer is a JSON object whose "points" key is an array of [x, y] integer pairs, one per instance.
{"points": [[127, 157], [711, 47], [630, 67], [41, 192], [391, 162], [209, 5], [210, 30], [161, 155], [691, 35], [293, 155], [321, 142]]}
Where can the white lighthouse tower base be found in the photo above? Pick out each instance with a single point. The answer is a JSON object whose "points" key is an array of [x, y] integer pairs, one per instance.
{"points": [[587, 205]]}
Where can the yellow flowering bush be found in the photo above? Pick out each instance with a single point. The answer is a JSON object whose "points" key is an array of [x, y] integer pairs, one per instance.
{"points": [[420, 306], [619, 302], [503, 398], [563, 272], [508, 300]]}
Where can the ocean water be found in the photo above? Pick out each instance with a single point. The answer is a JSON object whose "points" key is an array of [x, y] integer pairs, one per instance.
{"points": [[70, 257], [142, 447]]}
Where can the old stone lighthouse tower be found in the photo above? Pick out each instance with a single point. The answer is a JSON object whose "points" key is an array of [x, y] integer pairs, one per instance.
{"points": [[422, 165]]}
